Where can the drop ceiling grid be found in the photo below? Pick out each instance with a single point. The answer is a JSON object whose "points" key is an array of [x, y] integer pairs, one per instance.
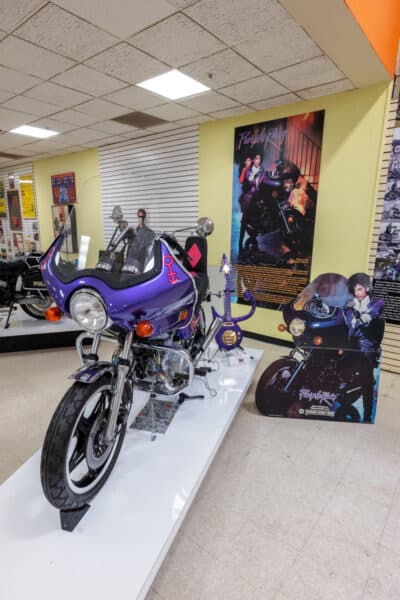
{"points": [[148, 173], [221, 49]]}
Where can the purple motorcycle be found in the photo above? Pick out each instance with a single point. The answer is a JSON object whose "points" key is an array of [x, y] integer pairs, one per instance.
{"points": [[150, 306]]}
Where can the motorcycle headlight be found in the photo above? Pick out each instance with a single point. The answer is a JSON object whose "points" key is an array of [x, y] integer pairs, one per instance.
{"points": [[88, 310], [297, 327]]}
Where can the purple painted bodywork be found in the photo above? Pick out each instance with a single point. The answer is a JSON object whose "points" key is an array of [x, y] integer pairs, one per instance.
{"points": [[159, 300]]}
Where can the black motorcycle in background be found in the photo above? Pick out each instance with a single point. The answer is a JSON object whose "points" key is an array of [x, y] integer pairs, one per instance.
{"points": [[21, 284]]}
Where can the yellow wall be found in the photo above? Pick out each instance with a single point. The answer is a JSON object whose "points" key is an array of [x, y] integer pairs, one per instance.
{"points": [[351, 149], [85, 165]]}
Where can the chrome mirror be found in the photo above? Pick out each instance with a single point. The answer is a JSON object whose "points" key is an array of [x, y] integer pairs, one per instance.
{"points": [[204, 226]]}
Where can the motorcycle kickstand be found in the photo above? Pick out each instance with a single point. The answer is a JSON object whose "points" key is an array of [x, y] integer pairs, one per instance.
{"points": [[7, 323], [183, 397]]}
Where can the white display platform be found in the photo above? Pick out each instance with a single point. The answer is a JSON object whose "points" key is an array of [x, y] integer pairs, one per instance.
{"points": [[23, 324], [118, 547]]}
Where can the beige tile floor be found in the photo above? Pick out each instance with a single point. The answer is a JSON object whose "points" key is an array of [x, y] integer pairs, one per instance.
{"points": [[288, 510]]}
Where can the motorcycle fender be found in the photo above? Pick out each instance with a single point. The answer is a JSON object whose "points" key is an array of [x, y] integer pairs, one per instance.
{"points": [[89, 374]]}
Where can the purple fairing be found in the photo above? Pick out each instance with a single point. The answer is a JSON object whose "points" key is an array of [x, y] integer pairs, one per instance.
{"points": [[159, 299]]}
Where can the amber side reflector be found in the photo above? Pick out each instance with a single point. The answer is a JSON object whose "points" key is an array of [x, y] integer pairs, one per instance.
{"points": [[281, 327], [53, 313], [183, 315], [290, 219], [317, 341], [144, 329]]}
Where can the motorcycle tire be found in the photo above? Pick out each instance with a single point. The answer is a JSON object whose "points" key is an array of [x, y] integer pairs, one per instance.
{"points": [[57, 481], [37, 311], [271, 400], [347, 413]]}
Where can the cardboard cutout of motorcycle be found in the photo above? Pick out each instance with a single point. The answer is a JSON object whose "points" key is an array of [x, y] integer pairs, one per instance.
{"points": [[333, 371]]}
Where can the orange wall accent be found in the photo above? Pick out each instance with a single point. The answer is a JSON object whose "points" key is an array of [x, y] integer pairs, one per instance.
{"points": [[380, 21]]}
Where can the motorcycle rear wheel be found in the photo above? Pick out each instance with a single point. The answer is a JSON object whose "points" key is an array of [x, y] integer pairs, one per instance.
{"points": [[271, 399], [74, 445], [37, 311]]}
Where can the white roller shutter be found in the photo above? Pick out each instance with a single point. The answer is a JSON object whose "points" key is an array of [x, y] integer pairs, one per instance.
{"points": [[158, 172]]}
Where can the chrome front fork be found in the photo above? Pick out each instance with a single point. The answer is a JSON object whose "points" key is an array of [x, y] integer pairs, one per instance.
{"points": [[123, 368]]}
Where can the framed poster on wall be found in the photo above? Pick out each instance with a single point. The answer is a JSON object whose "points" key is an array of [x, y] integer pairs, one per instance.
{"points": [[275, 189], [63, 188], [3, 206], [14, 210], [27, 197]]}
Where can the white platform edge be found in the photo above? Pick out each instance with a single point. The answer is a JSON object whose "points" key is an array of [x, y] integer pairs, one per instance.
{"points": [[22, 479]]}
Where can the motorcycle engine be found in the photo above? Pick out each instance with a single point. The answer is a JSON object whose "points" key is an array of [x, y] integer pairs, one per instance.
{"points": [[163, 369]]}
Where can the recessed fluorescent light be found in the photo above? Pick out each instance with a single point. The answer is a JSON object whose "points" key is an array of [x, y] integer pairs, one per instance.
{"points": [[174, 85], [36, 132]]}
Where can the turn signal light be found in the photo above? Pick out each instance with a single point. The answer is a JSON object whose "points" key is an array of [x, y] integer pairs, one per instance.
{"points": [[281, 327], [317, 341], [183, 314], [340, 352], [144, 329], [290, 220], [53, 313]]}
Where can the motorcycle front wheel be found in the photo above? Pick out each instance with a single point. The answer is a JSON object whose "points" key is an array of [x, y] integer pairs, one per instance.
{"points": [[271, 398], [38, 309], [76, 461]]}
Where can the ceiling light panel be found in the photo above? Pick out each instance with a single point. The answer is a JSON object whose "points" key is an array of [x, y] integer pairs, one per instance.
{"points": [[35, 132], [174, 85]]}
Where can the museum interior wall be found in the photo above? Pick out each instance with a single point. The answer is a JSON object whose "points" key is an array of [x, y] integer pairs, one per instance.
{"points": [[351, 151], [85, 165]]}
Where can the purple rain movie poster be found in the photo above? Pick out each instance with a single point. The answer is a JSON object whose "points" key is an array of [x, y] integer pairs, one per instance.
{"points": [[275, 190]]}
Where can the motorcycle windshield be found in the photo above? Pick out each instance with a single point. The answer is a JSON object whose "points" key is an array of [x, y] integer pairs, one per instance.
{"points": [[130, 250], [322, 295]]}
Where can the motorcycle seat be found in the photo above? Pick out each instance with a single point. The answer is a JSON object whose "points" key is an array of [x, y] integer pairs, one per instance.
{"points": [[13, 267]]}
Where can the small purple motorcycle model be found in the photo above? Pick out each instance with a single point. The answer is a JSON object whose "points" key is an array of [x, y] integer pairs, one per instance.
{"points": [[150, 306]]}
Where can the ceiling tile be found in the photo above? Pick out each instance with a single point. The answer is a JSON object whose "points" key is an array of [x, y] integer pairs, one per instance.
{"points": [[232, 112], [56, 94], [328, 88], [54, 125], [76, 118], [177, 41], [180, 4], [254, 89], [119, 17], [164, 127], [11, 140], [277, 101], [101, 108], [171, 112], [44, 146], [309, 73], [26, 149], [225, 67], [5, 95], [58, 30], [135, 97], [112, 127], [235, 21], [31, 106], [209, 102], [89, 81], [127, 63], [114, 139], [72, 149], [9, 119], [12, 13], [23, 56], [12, 81], [196, 120], [81, 136], [282, 45]]}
